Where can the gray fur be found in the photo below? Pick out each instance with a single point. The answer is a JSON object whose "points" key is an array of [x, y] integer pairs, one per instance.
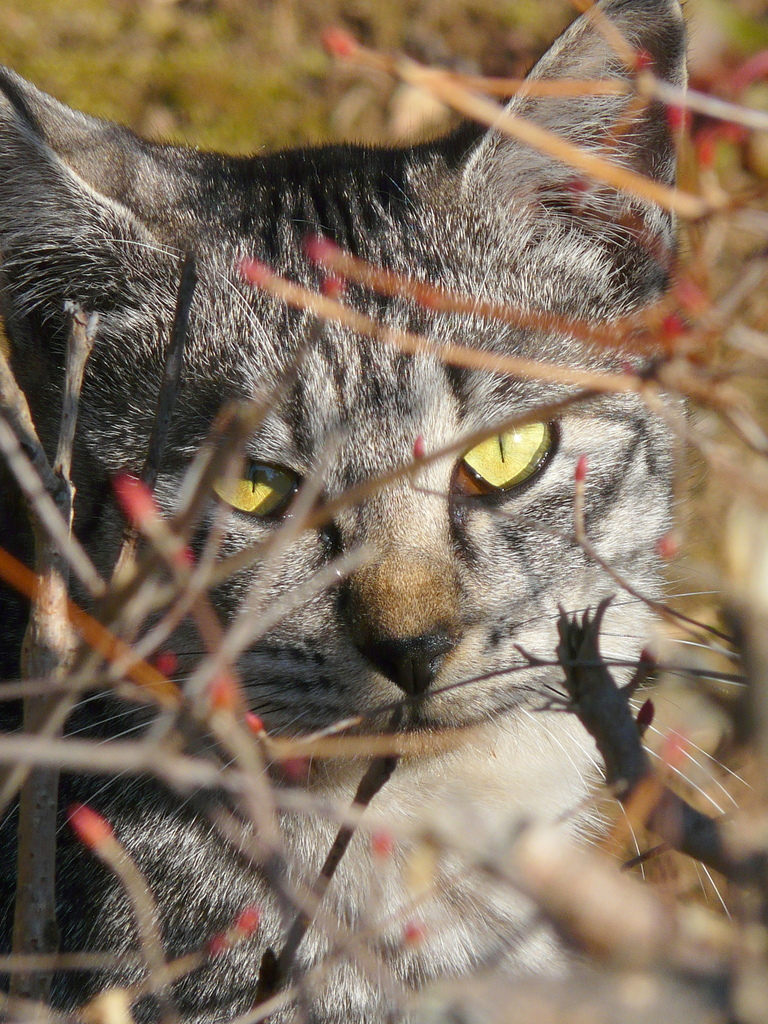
{"points": [[91, 213]]}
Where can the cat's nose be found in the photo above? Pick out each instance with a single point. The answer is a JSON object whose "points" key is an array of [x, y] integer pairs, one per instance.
{"points": [[410, 661]]}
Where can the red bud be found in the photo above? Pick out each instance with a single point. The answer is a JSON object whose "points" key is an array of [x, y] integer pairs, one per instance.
{"points": [[678, 118], [296, 768], [668, 546], [414, 933], [319, 249], [248, 920], [577, 185], [218, 944], [167, 662], [706, 150], [254, 723], [135, 499], [333, 286], [223, 692], [382, 844], [89, 826], [580, 473], [673, 325], [255, 272], [338, 42]]}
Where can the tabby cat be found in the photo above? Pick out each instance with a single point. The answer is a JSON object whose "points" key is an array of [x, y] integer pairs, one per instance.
{"points": [[467, 567]]}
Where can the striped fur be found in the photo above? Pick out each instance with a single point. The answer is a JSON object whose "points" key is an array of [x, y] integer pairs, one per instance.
{"points": [[91, 213]]}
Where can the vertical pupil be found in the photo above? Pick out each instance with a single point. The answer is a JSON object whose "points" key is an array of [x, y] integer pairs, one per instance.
{"points": [[263, 476], [501, 447]]}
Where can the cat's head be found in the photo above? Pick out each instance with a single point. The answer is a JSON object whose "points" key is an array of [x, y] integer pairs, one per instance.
{"points": [[472, 557]]}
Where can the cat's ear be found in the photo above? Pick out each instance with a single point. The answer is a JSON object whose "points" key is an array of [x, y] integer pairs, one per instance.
{"points": [[69, 230], [608, 43]]}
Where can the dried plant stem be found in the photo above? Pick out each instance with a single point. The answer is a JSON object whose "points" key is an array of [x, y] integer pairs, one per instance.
{"points": [[649, 85], [170, 388], [377, 775], [145, 914], [47, 651], [16, 412], [44, 506], [562, 87], [604, 711], [22, 963], [257, 795], [609, 30], [97, 636], [622, 333], [81, 340], [485, 111], [456, 355]]}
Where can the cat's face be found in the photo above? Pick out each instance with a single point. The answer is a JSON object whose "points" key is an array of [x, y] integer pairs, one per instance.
{"points": [[465, 564]]}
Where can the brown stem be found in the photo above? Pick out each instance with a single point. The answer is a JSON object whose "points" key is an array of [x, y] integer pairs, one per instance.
{"points": [[276, 969], [170, 388], [47, 651], [603, 709]]}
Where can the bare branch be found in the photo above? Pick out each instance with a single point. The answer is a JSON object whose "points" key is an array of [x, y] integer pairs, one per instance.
{"points": [[48, 649], [478, 108], [377, 775], [170, 387], [604, 711]]}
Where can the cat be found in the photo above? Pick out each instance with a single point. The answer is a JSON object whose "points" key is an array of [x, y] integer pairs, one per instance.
{"points": [[468, 567]]}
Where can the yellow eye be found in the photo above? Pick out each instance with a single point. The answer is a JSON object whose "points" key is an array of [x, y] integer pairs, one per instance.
{"points": [[508, 459], [261, 490]]}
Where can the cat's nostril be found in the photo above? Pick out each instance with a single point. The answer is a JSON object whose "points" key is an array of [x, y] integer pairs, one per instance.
{"points": [[410, 661]]}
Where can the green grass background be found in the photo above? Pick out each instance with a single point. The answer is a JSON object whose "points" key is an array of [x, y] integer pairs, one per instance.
{"points": [[245, 74]]}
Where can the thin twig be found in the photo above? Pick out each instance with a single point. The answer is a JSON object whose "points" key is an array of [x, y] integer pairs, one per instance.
{"points": [[170, 387], [624, 333], [485, 111], [378, 773], [45, 509], [47, 650], [604, 711], [455, 355], [97, 834]]}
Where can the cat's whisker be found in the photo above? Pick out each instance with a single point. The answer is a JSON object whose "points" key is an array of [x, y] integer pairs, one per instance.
{"points": [[691, 672], [694, 785], [594, 761], [710, 646], [165, 250], [635, 842], [703, 867], [710, 775], [662, 733]]}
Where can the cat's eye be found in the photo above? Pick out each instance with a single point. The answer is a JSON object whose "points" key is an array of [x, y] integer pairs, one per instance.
{"points": [[262, 490], [502, 462]]}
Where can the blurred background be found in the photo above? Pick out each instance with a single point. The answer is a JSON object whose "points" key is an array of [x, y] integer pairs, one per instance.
{"points": [[240, 75]]}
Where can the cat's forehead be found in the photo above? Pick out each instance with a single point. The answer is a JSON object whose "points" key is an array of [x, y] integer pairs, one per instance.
{"points": [[360, 398], [368, 402]]}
